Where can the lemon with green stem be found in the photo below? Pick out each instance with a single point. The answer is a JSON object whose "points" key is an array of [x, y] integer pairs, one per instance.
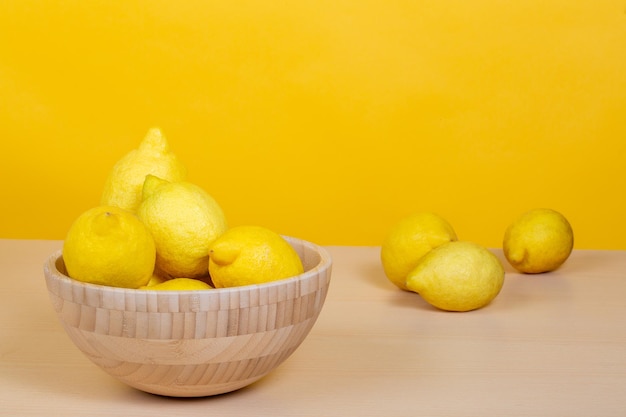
{"points": [[184, 220]]}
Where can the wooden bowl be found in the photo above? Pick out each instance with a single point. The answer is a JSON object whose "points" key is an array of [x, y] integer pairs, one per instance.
{"points": [[191, 343]]}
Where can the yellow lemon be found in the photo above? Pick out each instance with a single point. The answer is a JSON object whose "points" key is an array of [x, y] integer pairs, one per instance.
{"points": [[109, 246], [457, 276], [246, 255], [184, 220], [410, 239], [158, 277], [539, 241], [179, 284], [124, 184]]}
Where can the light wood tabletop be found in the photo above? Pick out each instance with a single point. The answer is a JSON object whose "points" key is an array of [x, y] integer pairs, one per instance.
{"points": [[548, 345]]}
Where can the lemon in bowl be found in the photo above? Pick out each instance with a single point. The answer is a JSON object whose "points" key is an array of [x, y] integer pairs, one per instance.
{"points": [[123, 185], [246, 255], [184, 220], [108, 245], [191, 343]]}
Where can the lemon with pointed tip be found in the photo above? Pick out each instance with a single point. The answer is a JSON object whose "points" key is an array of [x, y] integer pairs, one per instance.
{"points": [[124, 183], [107, 245], [246, 255], [457, 276], [179, 284], [409, 240], [184, 220], [540, 240]]}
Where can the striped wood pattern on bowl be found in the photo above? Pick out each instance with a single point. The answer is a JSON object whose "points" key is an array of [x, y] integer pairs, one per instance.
{"points": [[191, 343]]}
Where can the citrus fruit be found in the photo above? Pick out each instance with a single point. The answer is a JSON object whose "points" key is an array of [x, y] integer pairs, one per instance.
{"points": [[540, 240], [457, 276], [184, 220], [179, 284], [124, 183], [246, 255], [410, 239], [158, 277], [107, 245]]}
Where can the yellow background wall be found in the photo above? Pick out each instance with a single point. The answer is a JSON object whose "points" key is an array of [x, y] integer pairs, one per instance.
{"points": [[327, 120]]}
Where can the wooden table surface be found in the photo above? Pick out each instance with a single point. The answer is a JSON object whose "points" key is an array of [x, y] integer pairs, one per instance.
{"points": [[549, 345]]}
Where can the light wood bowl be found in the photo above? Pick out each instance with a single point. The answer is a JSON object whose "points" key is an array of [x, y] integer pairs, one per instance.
{"points": [[191, 343]]}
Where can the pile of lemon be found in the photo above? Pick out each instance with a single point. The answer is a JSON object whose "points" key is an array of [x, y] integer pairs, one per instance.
{"points": [[422, 254], [154, 230]]}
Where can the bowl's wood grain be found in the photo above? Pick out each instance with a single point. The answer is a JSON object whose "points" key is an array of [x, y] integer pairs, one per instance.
{"points": [[191, 343]]}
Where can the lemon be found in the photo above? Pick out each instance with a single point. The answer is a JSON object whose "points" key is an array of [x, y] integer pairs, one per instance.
{"points": [[540, 240], [410, 239], [157, 277], [184, 220], [124, 184], [109, 246], [457, 276], [246, 255], [179, 284]]}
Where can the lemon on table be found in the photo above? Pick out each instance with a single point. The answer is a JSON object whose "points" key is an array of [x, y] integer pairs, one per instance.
{"points": [[124, 184], [540, 240], [246, 255], [179, 284], [410, 239], [457, 276], [184, 220], [109, 246]]}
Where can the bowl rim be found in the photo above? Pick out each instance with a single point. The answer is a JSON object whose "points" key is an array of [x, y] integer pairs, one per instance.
{"points": [[325, 263]]}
